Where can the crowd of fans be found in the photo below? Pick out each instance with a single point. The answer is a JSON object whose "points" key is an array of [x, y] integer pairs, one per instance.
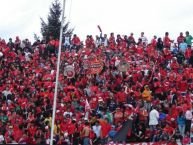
{"points": [[149, 82]]}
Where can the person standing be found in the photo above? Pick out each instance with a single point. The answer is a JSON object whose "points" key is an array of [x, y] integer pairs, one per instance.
{"points": [[154, 41], [181, 123], [131, 39], [86, 134], [188, 38], [153, 121], [76, 43], [188, 117], [153, 118], [160, 44], [180, 38], [167, 41], [183, 46], [97, 130], [144, 39]]}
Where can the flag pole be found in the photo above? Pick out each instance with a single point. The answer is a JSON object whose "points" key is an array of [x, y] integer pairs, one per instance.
{"points": [[57, 74]]}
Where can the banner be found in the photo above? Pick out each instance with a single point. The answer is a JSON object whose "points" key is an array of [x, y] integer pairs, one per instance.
{"points": [[96, 66], [69, 71]]}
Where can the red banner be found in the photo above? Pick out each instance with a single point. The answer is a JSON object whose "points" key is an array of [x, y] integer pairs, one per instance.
{"points": [[96, 67]]}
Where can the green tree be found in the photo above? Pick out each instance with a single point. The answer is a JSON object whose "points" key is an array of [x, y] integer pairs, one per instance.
{"points": [[53, 24]]}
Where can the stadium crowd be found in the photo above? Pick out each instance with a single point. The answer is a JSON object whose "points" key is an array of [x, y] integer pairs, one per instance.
{"points": [[111, 79]]}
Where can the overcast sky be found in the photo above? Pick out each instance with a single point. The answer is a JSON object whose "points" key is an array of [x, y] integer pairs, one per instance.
{"points": [[154, 17]]}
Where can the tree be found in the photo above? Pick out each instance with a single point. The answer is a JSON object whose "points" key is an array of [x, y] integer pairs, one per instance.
{"points": [[52, 27], [36, 37]]}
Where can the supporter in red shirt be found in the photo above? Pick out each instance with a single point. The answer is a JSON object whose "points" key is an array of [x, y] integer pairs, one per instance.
{"points": [[112, 41], [154, 42], [180, 38], [121, 96], [174, 65], [167, 41], [118, 116], [188, 53], [131, 39], [169, 130], [76, 42]]}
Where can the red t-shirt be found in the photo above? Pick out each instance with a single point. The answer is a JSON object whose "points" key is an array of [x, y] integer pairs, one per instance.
{"points": [[71, 128], [76, 41], [158, 88], [183, 86], [118, 116], [169, 130], [154, 43], [121, 97], [166, 41], [180, 39]]}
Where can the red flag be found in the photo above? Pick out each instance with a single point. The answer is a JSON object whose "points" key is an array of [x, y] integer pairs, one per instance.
{"points": [[99, 28]]}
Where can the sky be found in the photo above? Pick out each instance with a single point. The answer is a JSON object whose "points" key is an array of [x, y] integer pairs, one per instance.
{"points": [[154, 17]]}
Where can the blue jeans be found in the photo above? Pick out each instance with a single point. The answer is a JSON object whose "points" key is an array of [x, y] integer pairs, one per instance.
{"points": [[86, 141], [181, 129]]}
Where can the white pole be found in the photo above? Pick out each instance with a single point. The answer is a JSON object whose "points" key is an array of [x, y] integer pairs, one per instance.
{"points": [[57, 75]]}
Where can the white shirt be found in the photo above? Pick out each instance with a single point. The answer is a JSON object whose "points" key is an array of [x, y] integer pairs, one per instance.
{"points": [[5, 93], [153, 117], [97, 130], [67, 41], [27, 56], [97, 42], [144, 39], [106, 42], [67, 113], [188, 115], [1, 139]]}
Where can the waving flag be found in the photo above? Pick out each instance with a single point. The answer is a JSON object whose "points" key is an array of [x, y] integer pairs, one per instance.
{"points": [[122, 134]]}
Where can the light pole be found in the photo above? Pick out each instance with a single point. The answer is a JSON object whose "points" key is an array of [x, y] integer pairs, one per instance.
{"points": [[57, 74]]}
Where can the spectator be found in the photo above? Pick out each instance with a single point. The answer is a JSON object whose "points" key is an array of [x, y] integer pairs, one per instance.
{"points": [[112, 132], [183, 46], [112, 41], [131, 39], [160, 44], [67, 41], [188, 38], [17, 44], [154, 42], [104, 40], [167, 41], [76, 42], [97, 130], [140, 133], [181, 123], [188, 119], [153, 118], [97, 41], [188, 53], [86, 134], [10, 44], [180, 39], [143, 39]]}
